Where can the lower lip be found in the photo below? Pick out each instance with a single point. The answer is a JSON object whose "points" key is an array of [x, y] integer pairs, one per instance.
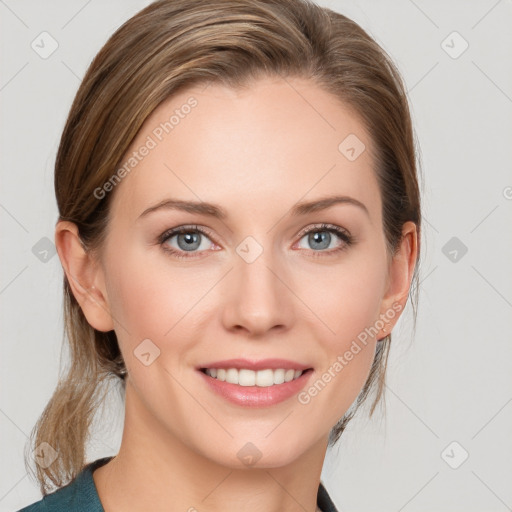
{"points": [[255, 396]]}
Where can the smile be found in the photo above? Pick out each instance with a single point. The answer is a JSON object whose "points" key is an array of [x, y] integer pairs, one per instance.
{"points": [[261, 378], [255, 388]]}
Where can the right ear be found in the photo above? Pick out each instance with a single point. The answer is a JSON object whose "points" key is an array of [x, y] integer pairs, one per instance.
{"points": [[84, 275]]}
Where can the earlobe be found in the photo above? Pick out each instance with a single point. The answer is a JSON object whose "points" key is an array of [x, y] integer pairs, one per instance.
{"points": [[84, 275], [400, 277]]}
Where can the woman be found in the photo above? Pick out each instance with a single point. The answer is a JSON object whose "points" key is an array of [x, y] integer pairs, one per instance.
{"points": [[239, 231]]}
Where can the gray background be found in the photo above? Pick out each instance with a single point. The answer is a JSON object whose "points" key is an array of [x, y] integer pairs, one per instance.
{"points": [[451, 383]]}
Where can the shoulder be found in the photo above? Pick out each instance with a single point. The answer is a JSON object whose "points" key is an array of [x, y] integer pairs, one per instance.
{"points": [[324, 501], [78, 495], [38, 506]]}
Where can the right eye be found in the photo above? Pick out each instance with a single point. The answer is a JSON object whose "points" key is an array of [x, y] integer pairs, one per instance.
{"points": [[187, 238]]}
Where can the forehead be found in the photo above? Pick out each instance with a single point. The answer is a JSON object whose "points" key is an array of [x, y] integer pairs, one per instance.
{"points": [[273, 142]]}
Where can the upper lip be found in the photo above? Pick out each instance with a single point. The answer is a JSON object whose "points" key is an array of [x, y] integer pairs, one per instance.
{"points": [[262, 364]]}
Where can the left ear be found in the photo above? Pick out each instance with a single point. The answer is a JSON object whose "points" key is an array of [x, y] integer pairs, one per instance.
{"points": [[400, 275]]}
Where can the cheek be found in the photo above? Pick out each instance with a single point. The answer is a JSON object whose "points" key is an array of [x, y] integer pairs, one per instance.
{"points": [[350, 306], [350, 309], [346, 297], [360, 298], [153, 298]]}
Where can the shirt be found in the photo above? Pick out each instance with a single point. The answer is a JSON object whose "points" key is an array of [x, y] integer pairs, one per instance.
{"points": [[81, 495]]}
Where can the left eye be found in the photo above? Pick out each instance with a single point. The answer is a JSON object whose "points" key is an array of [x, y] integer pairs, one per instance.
{"points": [[321, 238]]}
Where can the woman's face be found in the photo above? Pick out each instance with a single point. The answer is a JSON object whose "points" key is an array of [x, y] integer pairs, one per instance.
{"points": [[252, 284]]}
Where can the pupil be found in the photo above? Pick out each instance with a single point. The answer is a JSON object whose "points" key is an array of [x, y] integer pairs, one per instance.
{"points": [[321, 236], [190, 238]]}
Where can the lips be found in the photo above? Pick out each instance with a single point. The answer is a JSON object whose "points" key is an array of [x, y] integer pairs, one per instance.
{"points": [[255, 383], [262, 364]]}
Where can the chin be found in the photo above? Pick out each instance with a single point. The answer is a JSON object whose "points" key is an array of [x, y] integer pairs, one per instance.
{"points": [[259, 452]]}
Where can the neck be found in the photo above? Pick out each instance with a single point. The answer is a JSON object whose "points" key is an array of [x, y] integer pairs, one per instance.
{"points": [[152, 471]]}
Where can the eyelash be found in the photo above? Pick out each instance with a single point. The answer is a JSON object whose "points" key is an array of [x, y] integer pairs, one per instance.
{"points": [[347, 239]]}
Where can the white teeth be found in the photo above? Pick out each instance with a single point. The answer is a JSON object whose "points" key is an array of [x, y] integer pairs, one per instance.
{"points": [[245, 378], [278, 376], [288, 376], [232, 375], [261, 378]]}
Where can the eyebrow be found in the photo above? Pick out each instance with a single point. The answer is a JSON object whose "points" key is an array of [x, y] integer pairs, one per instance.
{"points": [[216, 211]]}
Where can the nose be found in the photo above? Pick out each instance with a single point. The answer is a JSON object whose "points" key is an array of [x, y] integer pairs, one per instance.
{"points": [[257, 296]]}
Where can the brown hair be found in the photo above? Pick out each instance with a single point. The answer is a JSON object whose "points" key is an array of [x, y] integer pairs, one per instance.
{"points": [[171, 45]]}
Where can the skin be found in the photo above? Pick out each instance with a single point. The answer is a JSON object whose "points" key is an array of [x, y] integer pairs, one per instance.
{"points": [[255, 152]]}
